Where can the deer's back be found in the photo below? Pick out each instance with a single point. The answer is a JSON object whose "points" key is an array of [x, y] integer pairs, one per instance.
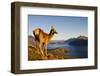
{"points": [[40, 35]]}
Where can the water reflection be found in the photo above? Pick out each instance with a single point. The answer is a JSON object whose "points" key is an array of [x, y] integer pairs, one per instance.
{"points": [[75, 51]]}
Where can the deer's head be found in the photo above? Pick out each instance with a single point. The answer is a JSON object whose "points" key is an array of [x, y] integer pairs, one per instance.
{"points": [[53, 30]]}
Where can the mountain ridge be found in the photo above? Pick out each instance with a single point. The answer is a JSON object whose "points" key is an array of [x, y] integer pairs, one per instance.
{"points": [[80, 40]]}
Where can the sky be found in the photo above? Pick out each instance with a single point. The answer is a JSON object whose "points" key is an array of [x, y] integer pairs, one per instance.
{"points": [[66, 26]]}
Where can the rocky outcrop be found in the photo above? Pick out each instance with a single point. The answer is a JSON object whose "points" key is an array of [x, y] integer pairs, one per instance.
{"points": [[58, 53]]}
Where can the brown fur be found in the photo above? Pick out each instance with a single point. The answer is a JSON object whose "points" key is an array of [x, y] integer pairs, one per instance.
{"points": [[43, 39]]}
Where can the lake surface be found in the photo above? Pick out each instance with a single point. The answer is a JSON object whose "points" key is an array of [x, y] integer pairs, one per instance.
{"points": [[75, 51]]}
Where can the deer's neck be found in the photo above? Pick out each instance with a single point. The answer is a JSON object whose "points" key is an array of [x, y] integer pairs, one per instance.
{"points": [[51, 34]]}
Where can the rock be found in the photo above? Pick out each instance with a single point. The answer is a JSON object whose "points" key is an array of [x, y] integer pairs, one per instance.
{"points": [[51, 56], [59, 53], [34, 54]]}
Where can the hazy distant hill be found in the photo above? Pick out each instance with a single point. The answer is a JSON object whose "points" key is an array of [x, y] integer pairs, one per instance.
{"points": [[56, 42], [79, 41], [82, 37], [31, 40]]}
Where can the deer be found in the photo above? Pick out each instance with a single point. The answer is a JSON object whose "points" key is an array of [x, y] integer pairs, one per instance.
{"points": [[43, 38]]}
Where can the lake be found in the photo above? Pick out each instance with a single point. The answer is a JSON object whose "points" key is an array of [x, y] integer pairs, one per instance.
{"points": [[75, 51]]}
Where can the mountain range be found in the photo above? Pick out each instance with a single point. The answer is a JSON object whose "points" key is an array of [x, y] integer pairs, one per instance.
{"points": [[79, 41]]}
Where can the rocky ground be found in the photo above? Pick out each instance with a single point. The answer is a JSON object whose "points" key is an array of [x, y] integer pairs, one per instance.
{"points": [[58, 53]]}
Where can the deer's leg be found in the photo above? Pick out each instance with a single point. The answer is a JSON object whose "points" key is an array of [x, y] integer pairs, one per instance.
{"points": [[43, 47], [41, 50], [37, 44], [46, 50]]}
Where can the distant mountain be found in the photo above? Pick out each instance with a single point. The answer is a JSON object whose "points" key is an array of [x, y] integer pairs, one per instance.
{"points": [[79, 41], [56, 42], [82, 37], [31, 40]]}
